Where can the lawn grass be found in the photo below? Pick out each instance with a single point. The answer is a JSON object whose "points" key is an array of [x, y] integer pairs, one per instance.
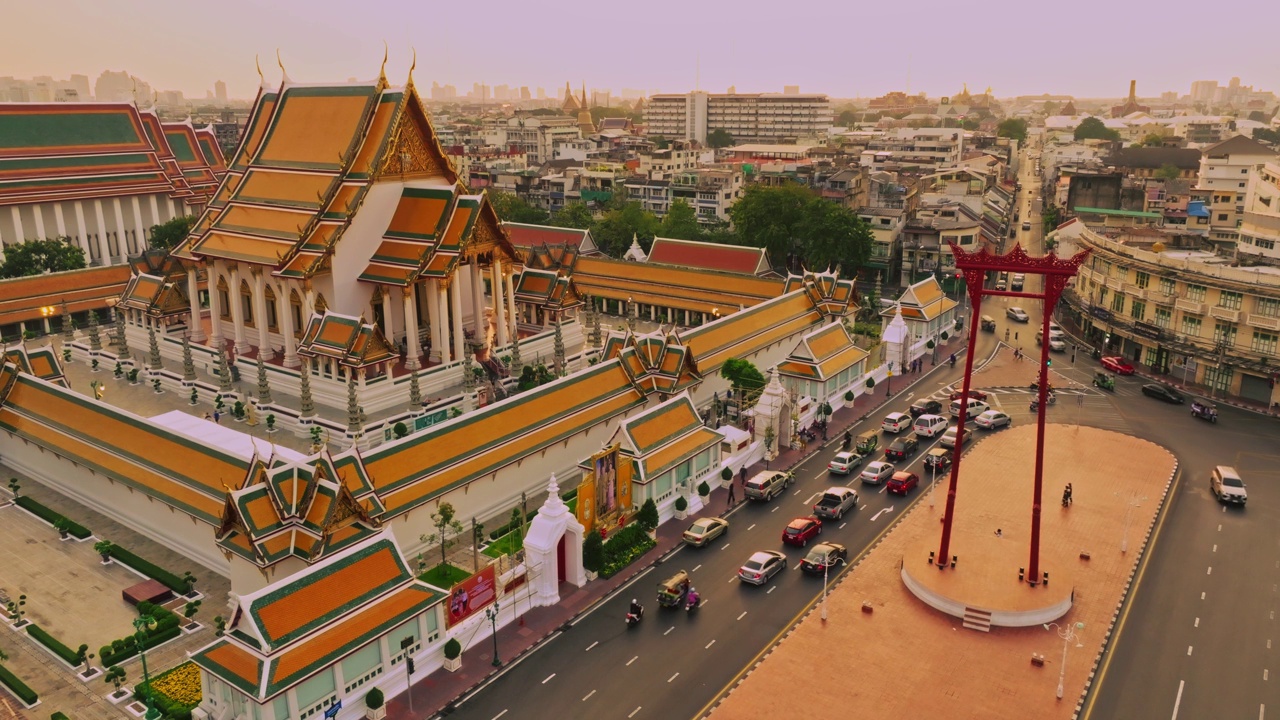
{"points": [[513, 542], [444, 576]]}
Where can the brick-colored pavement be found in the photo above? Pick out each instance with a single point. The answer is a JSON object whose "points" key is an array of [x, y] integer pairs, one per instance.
{"points": [[906, 660]]}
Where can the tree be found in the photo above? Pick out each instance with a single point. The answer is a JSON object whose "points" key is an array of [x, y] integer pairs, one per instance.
{"points": [[1267, 136], [1168, 171], [573, 215], [742, 374], [168, 235], [115, 675], [647, 517], [1091, 128], [615, 230], [834, 236], [512, 208], [593, 552], [769, 217], [1050, 107], [1152, 140], [1015, 128], [719, 138], [84, 656], [35, 257], [847, 118], [447, 529], [681, 222]]}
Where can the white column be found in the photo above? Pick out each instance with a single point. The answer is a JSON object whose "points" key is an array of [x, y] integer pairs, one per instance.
{"points": [[430, 297], [386, 317], [39, 216], [499, 303], [260, 304], [175, 209], [285, 308], [193, 291], [104, 249], [413, 349], [446, 329], [82, 231], [139, 232], [511, 308], [308, 304], [155, 211], [122, 242], [59, 221], [17, 224], [237, 309], [459, 335], [215, 305], [477, 302]]}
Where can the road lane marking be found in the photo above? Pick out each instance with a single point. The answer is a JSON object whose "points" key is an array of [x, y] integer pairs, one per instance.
{"points": [[668, 632], [735, 577], [1197, 622], [633, 660], [695, 567], [842, 525], [1265, 673], [881, 512], [797, 492], [544, 682], [592, 645], [708, 647], [1215, 548], [725, 546], [771, 589], [862, 507], [774, 510], [633, 712], [753, 527], [744, 614], [1210, 571], [504, 712], [1219, 527], [1178, 700], [673, 677], [1201, 596], [1268, 644], [588, 696], [811, 497]]}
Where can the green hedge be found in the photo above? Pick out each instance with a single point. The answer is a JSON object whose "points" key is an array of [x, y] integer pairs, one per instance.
{"points": [[168, 627], [59, 716], [53, 644], [624, 547], [170, 708], [150, 569], [19, 688], [76, 530]]}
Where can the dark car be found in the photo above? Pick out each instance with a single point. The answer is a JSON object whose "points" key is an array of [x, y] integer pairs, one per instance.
{"points": [[801, 530], [902, 482], [1160, 392], [901, 448], [975, 394], [824, 556], [925, 407]]}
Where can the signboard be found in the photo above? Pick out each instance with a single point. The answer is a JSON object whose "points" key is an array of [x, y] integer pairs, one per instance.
{"points": [[470, 596], [332, 712], [605, 493], [1100, 313], [1146, 330]]}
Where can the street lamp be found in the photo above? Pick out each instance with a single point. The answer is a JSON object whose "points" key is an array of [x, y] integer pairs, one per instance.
{"points": [[826, 569], [141, 625], [1067, 633], [888, 381], [492, 614]]}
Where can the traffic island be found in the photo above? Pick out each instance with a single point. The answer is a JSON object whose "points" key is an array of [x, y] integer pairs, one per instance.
{"points": [[1014, 669]]}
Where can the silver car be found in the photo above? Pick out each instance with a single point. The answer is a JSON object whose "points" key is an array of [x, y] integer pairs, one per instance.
{"points": [[877, 472], [761, 566]]}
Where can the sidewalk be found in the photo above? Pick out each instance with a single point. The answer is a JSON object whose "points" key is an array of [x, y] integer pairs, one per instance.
{"points": [[439, 690]]}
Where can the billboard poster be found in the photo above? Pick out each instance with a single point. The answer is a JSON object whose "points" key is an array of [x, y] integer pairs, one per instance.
{"points": [[470, 596]]}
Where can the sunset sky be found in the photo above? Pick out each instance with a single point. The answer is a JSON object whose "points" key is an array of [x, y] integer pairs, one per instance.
{"points": [[1083, 47]]}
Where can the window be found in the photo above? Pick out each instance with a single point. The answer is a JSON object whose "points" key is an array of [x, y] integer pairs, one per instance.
{"points": [[1102, 296], [1117, 303], [295, 306], [272, 320], [1191, 326], [316, 694], [280, 707], [1168, 286], [1222, 217], [1164, 318], [1230, 300], [1264, 343], [1218, 377], [1141, 279], [1138, 310], [394, 638], [246, 303], [362, 666], [1196, 292], [1268, 307], [1224, 333]]}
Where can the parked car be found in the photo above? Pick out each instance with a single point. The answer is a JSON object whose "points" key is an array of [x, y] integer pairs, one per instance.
{"points": [[761, 566], [925, 406], [992, 419], [928, 426], [939, 458], [844, 463], [902, 482], [876, 472], [1017, 314], [895, 422], [801, 530], [1161, 392], [1117, 365], [835, 502], [704, 530], [975, 394], [901, 448], [949, 437], [1227, 486], [1026, 227], [823, 556]]}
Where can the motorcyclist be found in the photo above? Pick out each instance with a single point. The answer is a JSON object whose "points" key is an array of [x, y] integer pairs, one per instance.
{"points": [[693, 598], [636, 608], [848, 439], [953, 359]]}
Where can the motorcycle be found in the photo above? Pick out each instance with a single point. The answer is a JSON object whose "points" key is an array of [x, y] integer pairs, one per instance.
{"points": [[848, 439], [693, 602], [633, 618]]}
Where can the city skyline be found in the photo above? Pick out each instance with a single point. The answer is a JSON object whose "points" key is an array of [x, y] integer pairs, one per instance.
{"points": [[536, 50]]}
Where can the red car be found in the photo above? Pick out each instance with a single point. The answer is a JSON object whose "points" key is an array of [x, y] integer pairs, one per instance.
{"points": [[975, 394], [902, 482], [801, 530], [1117, 365]]}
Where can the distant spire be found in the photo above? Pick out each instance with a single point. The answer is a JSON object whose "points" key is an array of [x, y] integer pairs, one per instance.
{"points": [[284, 76], [262, 80]]}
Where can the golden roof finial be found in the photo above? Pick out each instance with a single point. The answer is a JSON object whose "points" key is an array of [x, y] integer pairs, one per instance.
{"points": [[262, 80], [284, 74], [412, 65], [382, 72]]}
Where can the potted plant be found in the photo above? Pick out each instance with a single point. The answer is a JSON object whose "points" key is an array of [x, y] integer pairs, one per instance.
{"points": [[681, 506], [238, 411], [315, 438], [375, 705], [119, 371], [115, 675], [271, 422], [399, 430], [848, 396], [103, 548], [14, 487], [133, 376], [189, 611], [945, 335], [219, 626], [452, 655], [94, 364], [871, 383], [726, 477], [195, 396], [63, 526], [155, 385], [66, 354], [15, 611], [704, 490]]}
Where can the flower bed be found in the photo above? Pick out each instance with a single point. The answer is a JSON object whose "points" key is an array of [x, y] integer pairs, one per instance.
{"points": [[175, 692], [624, 547], [19, 688], [52, 517], [151, 570], [49, 641]]}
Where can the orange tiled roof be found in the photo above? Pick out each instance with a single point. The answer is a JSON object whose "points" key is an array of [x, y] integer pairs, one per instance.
{"points": [[710, 256], [22, 299]]}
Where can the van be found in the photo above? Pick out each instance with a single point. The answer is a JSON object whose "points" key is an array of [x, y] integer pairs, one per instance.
{"points": [[1226, 485], [928, 426], [767, 485], [976, 408]]}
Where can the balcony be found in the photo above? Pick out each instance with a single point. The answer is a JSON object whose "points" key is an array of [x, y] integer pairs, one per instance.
{"points": [[1115, 284], [1194, 307], [1135, 292], [1262, 321], [1222, 313]]}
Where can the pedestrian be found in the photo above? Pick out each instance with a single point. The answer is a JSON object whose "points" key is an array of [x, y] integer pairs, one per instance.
{"points": [[742, 475], [732, 499], [206, 416], [217, 416], [998, 533]]}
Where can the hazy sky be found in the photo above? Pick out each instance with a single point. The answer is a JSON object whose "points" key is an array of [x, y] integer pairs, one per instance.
{"points": [[840, 47]]}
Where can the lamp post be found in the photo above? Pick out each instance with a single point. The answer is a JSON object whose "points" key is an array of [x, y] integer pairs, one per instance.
{"points": [[492, 614], [826, 570], [1067, 633], [888, 381], [141, 624]]}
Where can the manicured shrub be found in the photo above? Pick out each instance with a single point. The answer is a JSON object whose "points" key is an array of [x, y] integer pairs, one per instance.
{"points": [[647, 518], [624, 547], [682, 504], [52, 517], [374, 699], [452, 649], [593, 552], [170, 580], [51, 642], [704, 489], [19, 688]]}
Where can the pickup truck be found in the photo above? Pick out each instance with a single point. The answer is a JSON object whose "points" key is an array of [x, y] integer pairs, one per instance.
{"points": [[835, 502]]}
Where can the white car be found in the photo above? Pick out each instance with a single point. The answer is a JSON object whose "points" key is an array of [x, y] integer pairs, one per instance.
{"points": [[992, 419], [844, 463], [761, 566], [1018, 314], [877, 472], [895, 423]]}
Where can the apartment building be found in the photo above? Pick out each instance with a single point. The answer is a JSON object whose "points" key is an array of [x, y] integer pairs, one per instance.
{"points": [[660, 164], [535, 136], [918, 149], [1224, 179], [749, 118], [709, 191], [1260, 222]]}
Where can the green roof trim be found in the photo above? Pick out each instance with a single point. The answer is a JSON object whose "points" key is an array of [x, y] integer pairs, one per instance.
{"points": [[1118, 213], [143, 160]]}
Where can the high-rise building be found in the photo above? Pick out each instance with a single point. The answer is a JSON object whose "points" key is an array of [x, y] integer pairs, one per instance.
{"points": [[1203, 90], [749, 118], [220, 91], [113, 86]]}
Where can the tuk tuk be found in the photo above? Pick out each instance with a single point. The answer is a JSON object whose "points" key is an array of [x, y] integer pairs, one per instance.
{"points": [[672, 592], [1104, 381], [988, 324], [1204, 410], [867, 443]]}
